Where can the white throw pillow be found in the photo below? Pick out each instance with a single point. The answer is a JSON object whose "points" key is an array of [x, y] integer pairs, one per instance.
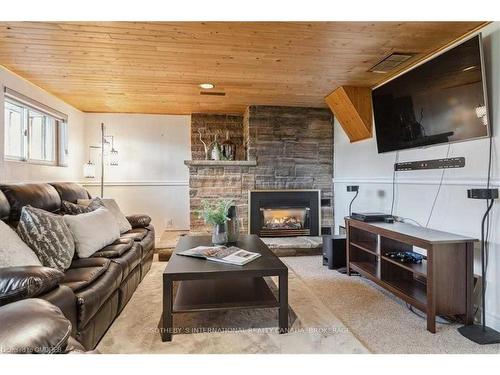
{"points": [[92, 231], [112, 206], [13, 251]]}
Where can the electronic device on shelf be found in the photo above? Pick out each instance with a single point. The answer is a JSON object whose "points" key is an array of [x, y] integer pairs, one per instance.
{"points": [[370, 216], [406, 256]]}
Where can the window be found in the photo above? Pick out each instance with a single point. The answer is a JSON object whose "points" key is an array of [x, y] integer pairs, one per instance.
{"points": [[34, 133]]}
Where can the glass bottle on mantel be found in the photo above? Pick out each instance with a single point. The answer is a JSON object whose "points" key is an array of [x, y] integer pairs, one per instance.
{"points": [[216, 152], [228, 148]]}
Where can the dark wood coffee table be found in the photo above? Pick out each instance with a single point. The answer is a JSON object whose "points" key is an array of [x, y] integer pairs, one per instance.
{"points": [[208, 286]]}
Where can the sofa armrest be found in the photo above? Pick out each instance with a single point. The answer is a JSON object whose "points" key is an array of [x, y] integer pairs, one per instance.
{"points": [[139, 221], [17, 283], [33, 326]]}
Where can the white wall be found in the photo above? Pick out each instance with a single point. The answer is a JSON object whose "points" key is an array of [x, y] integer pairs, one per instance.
{"points": [[151, 176], [360, 164], [11, 171]]}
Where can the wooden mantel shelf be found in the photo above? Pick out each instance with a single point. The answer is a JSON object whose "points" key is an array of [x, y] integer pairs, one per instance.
{"points": [[220, 163]]}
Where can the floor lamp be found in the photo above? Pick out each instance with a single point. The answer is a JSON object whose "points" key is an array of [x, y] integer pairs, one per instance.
{"points": [[89, 167]]}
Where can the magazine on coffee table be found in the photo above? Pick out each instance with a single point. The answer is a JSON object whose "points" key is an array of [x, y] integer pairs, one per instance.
{"points": [[223, 254]]}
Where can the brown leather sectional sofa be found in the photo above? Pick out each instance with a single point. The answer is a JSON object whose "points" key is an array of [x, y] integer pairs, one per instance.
{"points": [[93, 291]]}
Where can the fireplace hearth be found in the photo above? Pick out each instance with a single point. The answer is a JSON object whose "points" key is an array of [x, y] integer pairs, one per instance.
{"points": [[284, 213]]}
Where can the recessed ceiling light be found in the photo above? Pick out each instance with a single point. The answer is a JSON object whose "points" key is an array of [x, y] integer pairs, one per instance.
{"points": [[207, 86]]}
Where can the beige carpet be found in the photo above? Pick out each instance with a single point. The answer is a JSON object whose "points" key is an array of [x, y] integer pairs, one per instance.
{"points": [[379, 320], [314, 328], [332, 313]]}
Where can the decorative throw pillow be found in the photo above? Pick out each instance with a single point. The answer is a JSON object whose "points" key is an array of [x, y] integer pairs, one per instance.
{"points": [[112, 206], [13, 251], [70, 208], [92, 231], [48, 236]]}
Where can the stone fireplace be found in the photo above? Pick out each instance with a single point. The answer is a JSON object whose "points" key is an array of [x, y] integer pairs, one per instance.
{"points": [[284, 213], [280, 149]]}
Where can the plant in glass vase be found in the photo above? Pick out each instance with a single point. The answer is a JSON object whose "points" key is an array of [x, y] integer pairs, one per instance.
{"points": [[216, 214]]}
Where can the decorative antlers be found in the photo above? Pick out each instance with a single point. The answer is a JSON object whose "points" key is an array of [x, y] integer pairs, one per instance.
{"points": [[208, 147]]}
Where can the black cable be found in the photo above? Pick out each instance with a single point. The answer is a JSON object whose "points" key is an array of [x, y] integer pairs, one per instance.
{"points": [[394, 182], [443, 321], [438, 190], [350, 204], [407, 218]]}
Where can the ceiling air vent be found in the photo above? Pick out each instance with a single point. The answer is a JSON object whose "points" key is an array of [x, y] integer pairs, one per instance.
{"points": [[391, 62], [213, 93]]}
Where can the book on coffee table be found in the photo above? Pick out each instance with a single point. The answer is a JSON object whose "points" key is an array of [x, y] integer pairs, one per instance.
{"points": [[223, 254]]}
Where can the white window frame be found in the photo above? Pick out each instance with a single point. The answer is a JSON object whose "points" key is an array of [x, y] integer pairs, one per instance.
{"points": [[60, 141]]}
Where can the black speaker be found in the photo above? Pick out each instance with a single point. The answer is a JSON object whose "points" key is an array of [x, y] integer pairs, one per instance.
{"points": [[334, 251]]}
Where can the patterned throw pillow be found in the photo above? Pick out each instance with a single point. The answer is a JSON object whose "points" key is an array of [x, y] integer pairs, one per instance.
{"points": [[70, 208], [48, 236], [95, 203]]}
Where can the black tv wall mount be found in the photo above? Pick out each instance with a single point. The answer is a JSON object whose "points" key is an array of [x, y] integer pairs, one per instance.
{"points": [[445, 163]]}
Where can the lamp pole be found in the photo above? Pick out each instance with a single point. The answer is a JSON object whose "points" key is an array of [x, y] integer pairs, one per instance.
{"points": [[102, 160], [89, 168]]}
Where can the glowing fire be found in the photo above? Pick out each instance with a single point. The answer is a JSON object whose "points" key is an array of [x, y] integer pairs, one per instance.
{"points": [[283, 218]]}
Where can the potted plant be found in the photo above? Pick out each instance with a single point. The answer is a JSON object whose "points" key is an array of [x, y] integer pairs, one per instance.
{"points": [[215, 213]]}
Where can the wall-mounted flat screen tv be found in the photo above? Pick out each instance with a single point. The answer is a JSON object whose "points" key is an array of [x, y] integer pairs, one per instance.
{"points": [[443, 100]]}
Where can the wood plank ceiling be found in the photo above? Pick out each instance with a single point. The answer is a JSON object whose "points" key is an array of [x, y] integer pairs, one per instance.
{"points": [[150, 67]]}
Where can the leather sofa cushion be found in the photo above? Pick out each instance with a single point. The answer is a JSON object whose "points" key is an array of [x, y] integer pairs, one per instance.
{"points": [[147, 260], [116, 249], [128, 287], [64, 298], [91, 298], [84, 272], [137, 234], [129, 260], [33, 326], [92, 332], [18, 283], [4, 207], [148, 243], [71, 192], [42, 196]]}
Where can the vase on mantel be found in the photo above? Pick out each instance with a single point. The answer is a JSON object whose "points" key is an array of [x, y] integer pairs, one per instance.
{"points": [[219, 234], [228, 148], [216, 152]]}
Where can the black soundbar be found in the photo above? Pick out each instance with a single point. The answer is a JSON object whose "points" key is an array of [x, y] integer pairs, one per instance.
{"points": [[445, 163]]}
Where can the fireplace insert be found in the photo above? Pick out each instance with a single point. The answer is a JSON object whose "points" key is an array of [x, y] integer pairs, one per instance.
{"points": [[284, 221], [284, 213]]}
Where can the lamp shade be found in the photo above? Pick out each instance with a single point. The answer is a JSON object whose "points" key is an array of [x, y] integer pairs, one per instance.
{"points": [[113, 157], [89, 170]]}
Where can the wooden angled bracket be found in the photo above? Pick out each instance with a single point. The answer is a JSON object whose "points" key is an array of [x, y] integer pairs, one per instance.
{"points": [[352, 106]]}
